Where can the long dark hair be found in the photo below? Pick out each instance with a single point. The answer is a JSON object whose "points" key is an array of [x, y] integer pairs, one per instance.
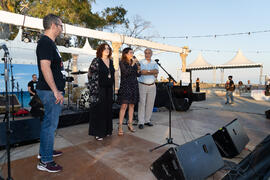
{"points": [[101, 48], [124, 53]]}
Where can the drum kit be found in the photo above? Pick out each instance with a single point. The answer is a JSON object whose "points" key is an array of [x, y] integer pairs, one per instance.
{"points": [[79, 95]]}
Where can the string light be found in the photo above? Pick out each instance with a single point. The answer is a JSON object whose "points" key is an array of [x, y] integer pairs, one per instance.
{"points": [[229, 51], [209, 36]]}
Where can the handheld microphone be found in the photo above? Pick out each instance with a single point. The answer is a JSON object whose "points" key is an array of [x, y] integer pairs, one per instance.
{"points": [[157, 60]]}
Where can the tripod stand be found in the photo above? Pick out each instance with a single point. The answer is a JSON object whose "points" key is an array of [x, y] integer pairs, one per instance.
{"points": [[69, 79], [169, 139], [20, 94], [7, 113]]}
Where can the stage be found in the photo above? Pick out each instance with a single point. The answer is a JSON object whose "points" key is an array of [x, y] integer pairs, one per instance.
{"points": [[25, 129], [128, 157]]}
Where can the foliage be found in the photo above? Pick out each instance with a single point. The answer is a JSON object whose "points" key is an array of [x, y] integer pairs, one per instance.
{"points": [[76, 12]]}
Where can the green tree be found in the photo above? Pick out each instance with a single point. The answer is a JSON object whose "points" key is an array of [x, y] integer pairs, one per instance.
{"points": [[76, 12]]}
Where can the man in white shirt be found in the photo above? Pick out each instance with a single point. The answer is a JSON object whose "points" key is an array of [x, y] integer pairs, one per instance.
{"points": [[147, 89]]}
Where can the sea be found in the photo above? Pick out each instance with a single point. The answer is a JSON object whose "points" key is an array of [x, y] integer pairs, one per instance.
{"points": [[23, 97]]}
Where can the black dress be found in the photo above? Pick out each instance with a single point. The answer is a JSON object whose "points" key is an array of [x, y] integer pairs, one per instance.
{"points": [[129, 89], [100, 120], [197, 86]]}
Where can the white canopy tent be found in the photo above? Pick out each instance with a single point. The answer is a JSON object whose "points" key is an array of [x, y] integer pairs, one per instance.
{"points": [[239, 61], [199, 63]]}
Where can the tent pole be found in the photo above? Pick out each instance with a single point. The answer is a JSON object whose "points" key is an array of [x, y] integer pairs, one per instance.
{"points": [[261, 71]]}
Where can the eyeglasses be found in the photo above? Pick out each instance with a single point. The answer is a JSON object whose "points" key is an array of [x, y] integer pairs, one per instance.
{"points": [[61, 25]]}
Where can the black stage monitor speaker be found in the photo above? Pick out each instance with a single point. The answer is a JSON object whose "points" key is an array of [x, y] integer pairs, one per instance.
{"points": [[199, 96], [255, 166], [23, 131], [193, 160], [231, 139], [181, 104]]}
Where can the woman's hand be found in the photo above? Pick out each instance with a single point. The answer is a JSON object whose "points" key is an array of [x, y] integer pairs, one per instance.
{"points": [[134, 61]]}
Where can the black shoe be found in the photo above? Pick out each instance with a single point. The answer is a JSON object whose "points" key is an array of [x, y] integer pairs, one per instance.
{"points": [[50, 167], [148, 124], [140, 126]]}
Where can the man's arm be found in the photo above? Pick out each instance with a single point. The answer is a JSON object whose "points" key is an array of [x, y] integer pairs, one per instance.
{"points": [[151, 72], [48, 76], [29, 90]]}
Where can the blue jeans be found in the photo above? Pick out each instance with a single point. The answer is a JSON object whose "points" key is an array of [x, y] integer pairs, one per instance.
{"points": [[49, 124], [229, 94]]}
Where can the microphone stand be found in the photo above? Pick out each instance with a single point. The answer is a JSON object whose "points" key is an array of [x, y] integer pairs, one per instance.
{"points": [[68, 84], [22, 98], [18, 90], [68, 88], [169, 139], [7, 114], [12, 88]]}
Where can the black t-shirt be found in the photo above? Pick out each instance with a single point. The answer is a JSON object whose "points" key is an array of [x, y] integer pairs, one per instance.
{"points": [[33, 85], [46, 49], [230, 85]]}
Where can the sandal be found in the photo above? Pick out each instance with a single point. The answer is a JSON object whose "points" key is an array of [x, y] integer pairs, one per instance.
{"points": [[120, 130], [130, 128], [98, 138]]}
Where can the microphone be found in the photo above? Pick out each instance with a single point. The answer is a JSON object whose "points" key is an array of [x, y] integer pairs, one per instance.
{"points": [[134, 58], [137, 62], [157, 60], [4, 47]]}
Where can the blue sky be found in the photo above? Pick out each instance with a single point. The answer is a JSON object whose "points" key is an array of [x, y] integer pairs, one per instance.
{"points": [[22, 75], [194, 17], [187, 18]]}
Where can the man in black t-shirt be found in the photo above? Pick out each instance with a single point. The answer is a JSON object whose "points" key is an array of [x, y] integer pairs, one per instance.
{"points": [[32, 85], [50, 88], [230, 87]]}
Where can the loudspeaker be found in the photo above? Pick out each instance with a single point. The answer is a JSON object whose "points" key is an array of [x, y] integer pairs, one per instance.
{"points": [[178, 92], [181, 104], [267, 113], [255, 166], [12, 99], [23, 132], [199, 96], [231, 139], [193, 160], [162, 97]]}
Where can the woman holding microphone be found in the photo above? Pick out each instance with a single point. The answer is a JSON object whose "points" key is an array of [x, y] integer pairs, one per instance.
{"points": [[128, 94]]}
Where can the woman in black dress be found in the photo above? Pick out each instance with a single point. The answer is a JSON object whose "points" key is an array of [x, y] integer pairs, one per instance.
{"points": [[101, 81], [197, 85], [128, 93]]}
